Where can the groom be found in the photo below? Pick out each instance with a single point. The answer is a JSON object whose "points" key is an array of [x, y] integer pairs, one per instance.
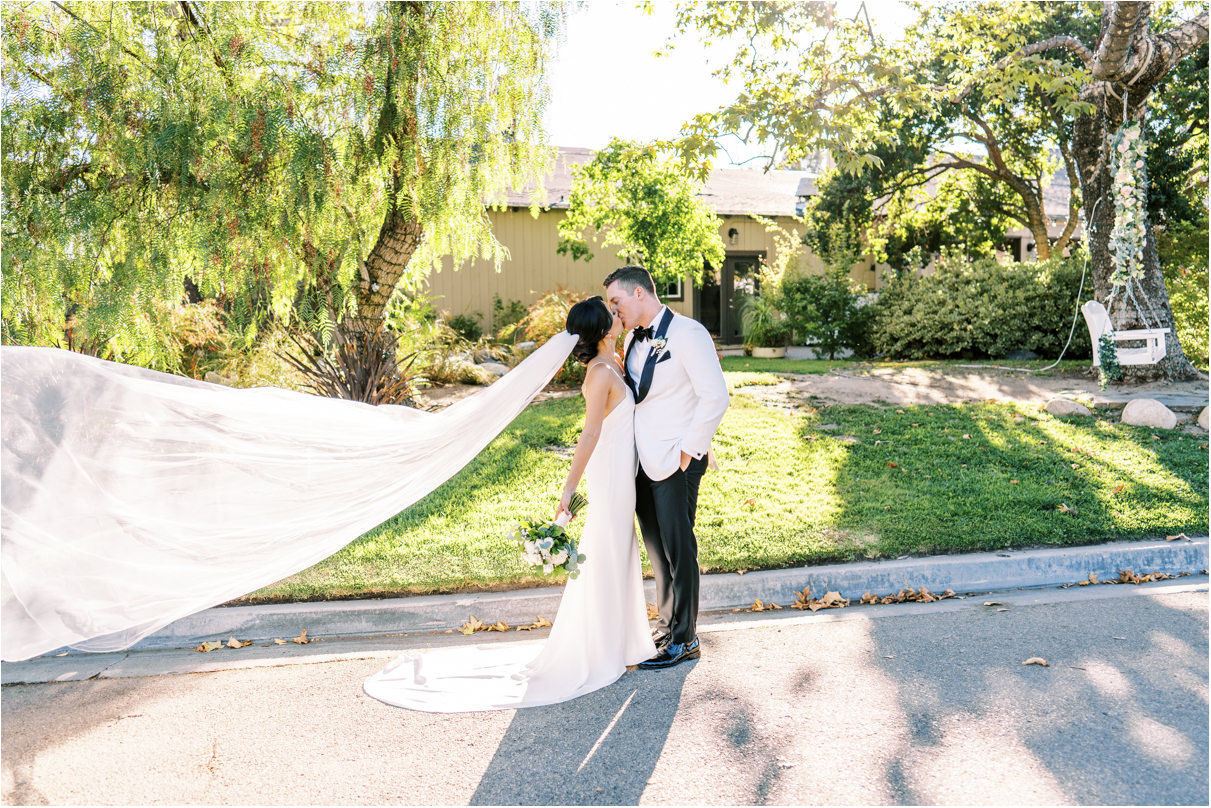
{"points": [[680, 397]]}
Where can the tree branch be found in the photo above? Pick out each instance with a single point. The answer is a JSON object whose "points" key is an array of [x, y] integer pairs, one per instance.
{"points": [[1071, 43], [1128, 21], [1183, 40]]}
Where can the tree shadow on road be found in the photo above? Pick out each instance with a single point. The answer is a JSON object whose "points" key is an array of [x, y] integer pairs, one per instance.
{"points": [[1119, 716], [599, 749]]}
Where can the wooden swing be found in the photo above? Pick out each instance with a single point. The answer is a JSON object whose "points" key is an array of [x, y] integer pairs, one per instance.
{"points": [[1099, 324]]}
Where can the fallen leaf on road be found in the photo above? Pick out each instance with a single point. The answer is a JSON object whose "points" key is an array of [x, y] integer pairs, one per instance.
{"points": [[234, 643], [208, 646], [1178, 537], [279, 641], [653, 612], [302, 638], [540, 622], [471, 626], [1034, 660], [499, 626], [870, 597], [993, 603]]}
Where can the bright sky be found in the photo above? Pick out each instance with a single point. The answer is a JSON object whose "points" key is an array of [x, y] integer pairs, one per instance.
{"points": [[606, 81]]}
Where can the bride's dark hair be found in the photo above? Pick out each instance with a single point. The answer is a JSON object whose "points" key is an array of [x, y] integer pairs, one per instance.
{"points": [[590, 319]]}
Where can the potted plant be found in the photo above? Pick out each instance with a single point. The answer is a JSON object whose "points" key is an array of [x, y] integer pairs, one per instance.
{"points": [[766, 330]]}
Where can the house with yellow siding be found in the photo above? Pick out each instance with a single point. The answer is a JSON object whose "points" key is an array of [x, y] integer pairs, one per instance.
{"points": [[534, 266]]}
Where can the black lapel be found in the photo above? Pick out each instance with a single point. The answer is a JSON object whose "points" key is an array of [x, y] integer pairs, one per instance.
{"points": [[645, 381], [626, 364]]}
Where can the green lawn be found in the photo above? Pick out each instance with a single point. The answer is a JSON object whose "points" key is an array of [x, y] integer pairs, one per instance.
{"points": [[815, 366], [836, 484]]}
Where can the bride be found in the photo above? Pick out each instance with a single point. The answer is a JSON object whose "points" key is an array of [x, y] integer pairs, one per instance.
{"points": [[601, 626]]}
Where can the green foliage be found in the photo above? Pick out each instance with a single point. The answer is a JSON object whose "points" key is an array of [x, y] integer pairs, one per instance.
{"points": [[627, 197], [506, 317], [937, 109], [828, 310], [764, 325], [467, 326], [980, 308], [255, 148], [546, 318], [1183, 253], [1109, 369]]}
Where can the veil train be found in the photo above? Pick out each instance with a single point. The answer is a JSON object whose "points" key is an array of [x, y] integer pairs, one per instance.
{"points": [[131, 498]]}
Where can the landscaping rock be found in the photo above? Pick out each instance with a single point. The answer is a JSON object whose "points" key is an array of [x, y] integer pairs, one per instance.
{"points": [[1149, 412], [495, 368], [1202, 419], [1066, 406]]}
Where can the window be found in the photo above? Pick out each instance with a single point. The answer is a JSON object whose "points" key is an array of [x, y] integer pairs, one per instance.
{"points": [[670, 291]]}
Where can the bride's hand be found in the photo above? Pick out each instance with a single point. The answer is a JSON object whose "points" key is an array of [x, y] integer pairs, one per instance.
{"points": [[562, 507]]}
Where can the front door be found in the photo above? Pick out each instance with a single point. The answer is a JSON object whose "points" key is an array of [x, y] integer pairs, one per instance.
{"points": [[739, 282]]}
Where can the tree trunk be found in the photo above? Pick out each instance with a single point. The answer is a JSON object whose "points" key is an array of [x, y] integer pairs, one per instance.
{"points": [[1137, 67], [397, 241]]}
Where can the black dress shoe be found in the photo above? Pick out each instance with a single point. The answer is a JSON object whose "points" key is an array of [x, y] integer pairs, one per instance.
{"points": [[672, 654]]}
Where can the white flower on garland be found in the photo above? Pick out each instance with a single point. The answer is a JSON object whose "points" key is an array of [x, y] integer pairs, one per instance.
{"points": [[1130, 201]]}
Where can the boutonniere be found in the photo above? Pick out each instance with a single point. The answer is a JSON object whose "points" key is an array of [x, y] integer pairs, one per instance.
{"points": [[658, 345]]}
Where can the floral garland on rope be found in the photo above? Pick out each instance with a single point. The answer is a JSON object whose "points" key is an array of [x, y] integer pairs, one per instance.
{"points": [[1130, 210]]}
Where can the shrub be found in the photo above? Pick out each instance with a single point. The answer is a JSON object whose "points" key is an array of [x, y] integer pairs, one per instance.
{"points": [[505, 317], [981, 309], [764, 325], [546, 318], [828, 310], [467, 326], [1188, 298], [1183, 253]]}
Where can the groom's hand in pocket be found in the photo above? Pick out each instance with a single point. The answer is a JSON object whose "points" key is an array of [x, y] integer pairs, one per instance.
{"points": [[685, 461]]}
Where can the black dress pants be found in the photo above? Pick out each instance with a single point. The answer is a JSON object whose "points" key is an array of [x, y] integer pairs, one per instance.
{"points": [[666, 510]]}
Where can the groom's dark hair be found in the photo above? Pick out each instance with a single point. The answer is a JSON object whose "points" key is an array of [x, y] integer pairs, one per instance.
{"points": [[631, 276]]}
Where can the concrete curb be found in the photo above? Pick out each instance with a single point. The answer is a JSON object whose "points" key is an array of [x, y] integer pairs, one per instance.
{"points": [[976, 572]]}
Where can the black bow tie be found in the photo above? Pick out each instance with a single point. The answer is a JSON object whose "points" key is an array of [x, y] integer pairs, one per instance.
{"points": [[642, 333]]}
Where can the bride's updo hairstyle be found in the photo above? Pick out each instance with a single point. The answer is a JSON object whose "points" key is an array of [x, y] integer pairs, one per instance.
{"points": [[590, 319]]}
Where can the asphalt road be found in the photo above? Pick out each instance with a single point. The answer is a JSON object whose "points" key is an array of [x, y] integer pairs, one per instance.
{"points": [[912, 704]]}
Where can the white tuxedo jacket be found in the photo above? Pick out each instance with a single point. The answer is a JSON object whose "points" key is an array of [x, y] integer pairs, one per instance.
{"points": [[685, 400]]}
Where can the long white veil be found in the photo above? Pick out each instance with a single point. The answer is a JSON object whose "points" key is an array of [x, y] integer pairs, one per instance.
{"points": [[131, 498]]}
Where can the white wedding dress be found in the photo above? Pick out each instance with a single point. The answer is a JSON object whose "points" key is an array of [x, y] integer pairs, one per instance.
{"points": [[601, 626], [131, 498]]}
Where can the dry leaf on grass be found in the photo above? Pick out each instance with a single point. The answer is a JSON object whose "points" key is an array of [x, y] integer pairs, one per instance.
{"points": [[1065, 509], [1034, 660]]}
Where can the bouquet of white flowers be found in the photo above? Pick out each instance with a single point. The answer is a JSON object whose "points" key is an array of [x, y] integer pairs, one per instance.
{"points": [[546, 544]]}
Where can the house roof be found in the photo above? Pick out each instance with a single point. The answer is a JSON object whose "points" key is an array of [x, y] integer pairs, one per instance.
{"points": [[729, 191], [732, 191]]}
